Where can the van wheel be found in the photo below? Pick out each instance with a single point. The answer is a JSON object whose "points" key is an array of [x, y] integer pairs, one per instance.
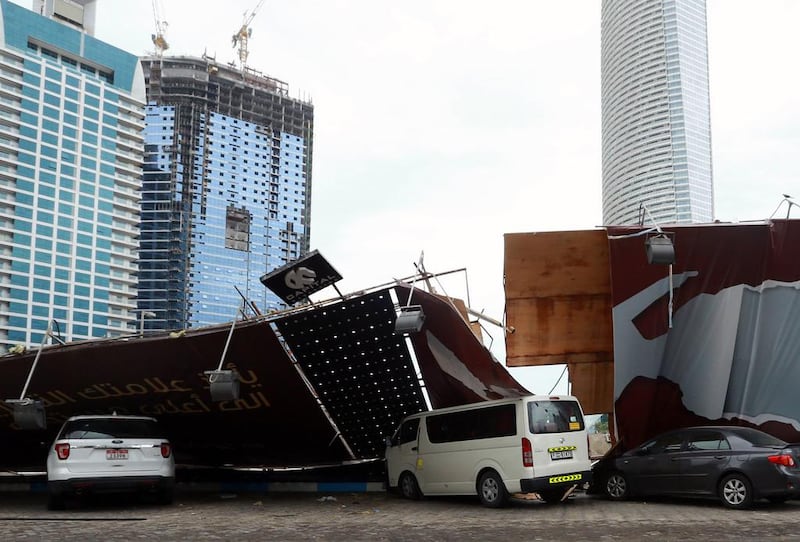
{"points": [[491, 490], [409, 487]]}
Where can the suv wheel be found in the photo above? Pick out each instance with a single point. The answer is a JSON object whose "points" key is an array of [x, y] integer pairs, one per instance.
{"points": [[55, 502]]}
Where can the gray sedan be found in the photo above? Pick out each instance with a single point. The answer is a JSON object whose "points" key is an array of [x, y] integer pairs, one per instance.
{"points": [[735, 464]]}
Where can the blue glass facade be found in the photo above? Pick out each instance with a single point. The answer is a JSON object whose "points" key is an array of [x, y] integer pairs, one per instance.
{"points": [[70, 175], [226, 192]]}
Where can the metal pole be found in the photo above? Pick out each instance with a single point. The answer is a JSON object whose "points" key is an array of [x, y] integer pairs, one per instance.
{"points": [[36, 360], [228, 341]]}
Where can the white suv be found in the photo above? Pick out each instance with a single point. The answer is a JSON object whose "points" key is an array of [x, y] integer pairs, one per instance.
{"points": [[108, 454]]}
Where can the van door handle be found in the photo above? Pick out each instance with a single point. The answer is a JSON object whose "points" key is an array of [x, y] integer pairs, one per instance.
{"points": [[414, 449]]}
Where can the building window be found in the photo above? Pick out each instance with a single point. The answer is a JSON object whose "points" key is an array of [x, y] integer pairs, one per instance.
{"points": [[237, 229]]}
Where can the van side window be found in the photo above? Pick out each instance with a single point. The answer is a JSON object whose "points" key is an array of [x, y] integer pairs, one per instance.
{"points": [[554, 417], [407, 432], [480, 423]]}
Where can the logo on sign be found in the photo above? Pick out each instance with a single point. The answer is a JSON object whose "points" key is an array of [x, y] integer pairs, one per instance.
{"points": [[299, 278]]}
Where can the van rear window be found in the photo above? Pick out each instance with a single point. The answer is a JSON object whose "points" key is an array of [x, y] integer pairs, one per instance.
{"points": [[554, 417]]}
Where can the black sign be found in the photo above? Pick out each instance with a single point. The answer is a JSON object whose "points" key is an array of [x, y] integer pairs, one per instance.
{"points": [[297, 280]]}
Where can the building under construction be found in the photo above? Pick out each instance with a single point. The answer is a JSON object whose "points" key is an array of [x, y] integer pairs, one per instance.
{"points": [[226, 194]]}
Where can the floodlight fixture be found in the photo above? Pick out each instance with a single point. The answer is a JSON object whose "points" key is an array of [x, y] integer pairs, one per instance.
{"points": [[28, 413], [660, 249], [223, 384], [410, 319]]}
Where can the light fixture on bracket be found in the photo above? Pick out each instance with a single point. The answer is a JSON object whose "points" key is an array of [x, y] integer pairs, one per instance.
{"points": [[660, 249], [224, 383], [658, 244], [29, 413], [411, 317]]}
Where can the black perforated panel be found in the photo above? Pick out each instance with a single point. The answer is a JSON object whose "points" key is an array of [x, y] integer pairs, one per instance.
{"points": [[361, 370]]}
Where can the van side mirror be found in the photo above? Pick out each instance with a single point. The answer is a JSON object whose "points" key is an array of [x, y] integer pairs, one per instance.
{"points": [[388, 442]]}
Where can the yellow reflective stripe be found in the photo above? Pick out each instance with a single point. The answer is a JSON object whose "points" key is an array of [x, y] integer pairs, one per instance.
{"points": [[561, 448], [567, 478]]}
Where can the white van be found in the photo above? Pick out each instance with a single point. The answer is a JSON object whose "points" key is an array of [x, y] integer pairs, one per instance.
{"points": [[531, 444]]}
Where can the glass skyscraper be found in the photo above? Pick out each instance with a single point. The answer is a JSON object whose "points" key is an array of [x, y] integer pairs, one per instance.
{"points": [[227, 189], [71, 121], [656, 126]]}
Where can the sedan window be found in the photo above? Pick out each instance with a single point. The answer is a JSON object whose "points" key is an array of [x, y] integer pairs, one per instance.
{"points": [[708, 441], [665, 444], [758, 438]]}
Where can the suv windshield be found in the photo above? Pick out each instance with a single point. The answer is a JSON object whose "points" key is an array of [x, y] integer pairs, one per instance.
{"points": [[110, 428]]}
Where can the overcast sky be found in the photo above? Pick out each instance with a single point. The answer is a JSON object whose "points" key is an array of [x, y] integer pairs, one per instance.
{"points": [[440, 125]]}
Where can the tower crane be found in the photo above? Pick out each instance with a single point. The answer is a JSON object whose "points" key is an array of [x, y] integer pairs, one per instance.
{"points": [[159, 38], [243, 35]]}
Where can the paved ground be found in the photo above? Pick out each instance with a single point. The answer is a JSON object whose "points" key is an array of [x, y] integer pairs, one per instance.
{"points": [[382, 517]]}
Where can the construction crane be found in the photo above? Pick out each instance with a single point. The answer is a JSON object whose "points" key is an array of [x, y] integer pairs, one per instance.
{"points": [[159, 38], [244, 33]]}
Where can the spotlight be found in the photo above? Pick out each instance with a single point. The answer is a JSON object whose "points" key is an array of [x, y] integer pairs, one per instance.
{"points": [[224, 385], [410, 319], [660, 249], [28, 414]]}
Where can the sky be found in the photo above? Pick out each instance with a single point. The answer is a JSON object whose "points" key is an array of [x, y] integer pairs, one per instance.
{"points": [[441, 125]]}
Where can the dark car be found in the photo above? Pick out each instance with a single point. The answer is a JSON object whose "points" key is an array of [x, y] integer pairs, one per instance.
{"points": [[735, 464]]}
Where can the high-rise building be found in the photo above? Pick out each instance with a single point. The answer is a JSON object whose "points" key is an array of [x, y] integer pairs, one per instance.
{"points": [[71, 152], [656, 123], [227, 189]]}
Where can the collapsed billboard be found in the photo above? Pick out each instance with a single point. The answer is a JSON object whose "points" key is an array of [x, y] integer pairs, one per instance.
{"points": [[715, 338], [731, 352], [321, 384]]}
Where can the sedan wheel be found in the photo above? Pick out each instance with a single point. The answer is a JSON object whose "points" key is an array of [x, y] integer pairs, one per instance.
{"points": [[616, 486], [736, 491]]}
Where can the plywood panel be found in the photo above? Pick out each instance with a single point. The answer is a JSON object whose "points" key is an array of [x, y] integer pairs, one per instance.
{"points": [[593, 385], [559, 326], [556, 264], [558, 298]]}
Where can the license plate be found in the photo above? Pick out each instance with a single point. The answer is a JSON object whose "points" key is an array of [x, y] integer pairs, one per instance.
{"points": [[114, 455], [563, 454]]}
